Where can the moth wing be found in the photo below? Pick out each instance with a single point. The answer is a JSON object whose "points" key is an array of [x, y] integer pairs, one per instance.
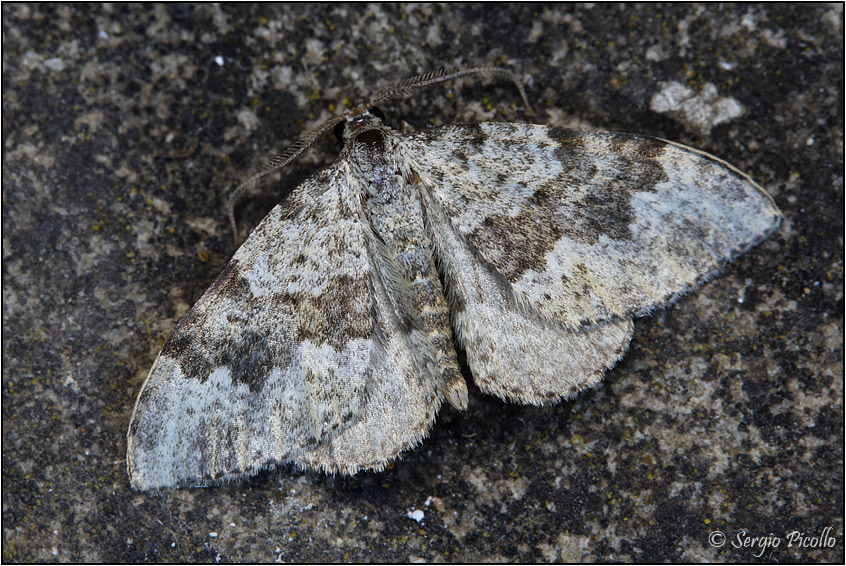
{"points": [[590, 226], [273, 360], [402, 399], [551, 240], [514, 352]]}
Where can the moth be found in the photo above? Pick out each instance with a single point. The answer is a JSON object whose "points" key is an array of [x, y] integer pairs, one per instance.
{"points": [[329, 340]]}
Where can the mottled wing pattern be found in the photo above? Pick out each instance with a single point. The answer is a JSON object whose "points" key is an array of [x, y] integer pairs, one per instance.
{"points": [[411, 332], [513, 352], [403, 399], [274, 359], [590, 226], [551, 240]]}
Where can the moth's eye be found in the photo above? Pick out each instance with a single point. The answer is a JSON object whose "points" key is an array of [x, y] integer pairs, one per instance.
{"points": [[339, 130], [378, 113]]}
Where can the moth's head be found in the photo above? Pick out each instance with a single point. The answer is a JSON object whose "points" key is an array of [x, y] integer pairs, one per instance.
{"points": [[365, 139], [358, 120]]}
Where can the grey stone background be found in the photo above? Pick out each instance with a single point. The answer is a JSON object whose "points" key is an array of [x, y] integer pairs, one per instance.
{"points": [[125, 127]]}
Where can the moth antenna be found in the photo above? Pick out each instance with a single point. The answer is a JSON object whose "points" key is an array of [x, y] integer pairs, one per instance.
{"points": [[275, 164], [401, 88], [423, 81]]}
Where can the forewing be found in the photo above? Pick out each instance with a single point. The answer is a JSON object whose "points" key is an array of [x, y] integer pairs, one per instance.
{"points": [[403, 398], [590, 226], [273, 359]]}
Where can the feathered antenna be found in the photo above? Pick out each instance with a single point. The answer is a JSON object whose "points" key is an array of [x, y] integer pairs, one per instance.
{"points": [[401, 88]]}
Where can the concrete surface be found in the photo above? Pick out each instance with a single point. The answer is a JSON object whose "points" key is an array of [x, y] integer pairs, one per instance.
{"points": [[125, 127]]}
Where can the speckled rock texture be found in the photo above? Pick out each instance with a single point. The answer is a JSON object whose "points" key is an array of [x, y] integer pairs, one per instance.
{"points": [[718, 438]]}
